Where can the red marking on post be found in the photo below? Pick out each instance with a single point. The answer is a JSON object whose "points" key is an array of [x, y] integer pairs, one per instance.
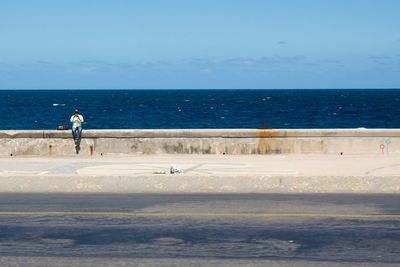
{"points": [[382, 146], [91, 150]]}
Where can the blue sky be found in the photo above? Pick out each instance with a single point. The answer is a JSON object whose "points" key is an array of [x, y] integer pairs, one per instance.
{"points": [[199, 44]]}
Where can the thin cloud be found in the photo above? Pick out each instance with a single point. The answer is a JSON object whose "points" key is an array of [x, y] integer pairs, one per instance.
{"points": [[241, 61], [198, 61], [44, 62], [331, 61], [275, 60], [91, 66], [271, 60], [6, 65], [207, 70], [384, 59]]}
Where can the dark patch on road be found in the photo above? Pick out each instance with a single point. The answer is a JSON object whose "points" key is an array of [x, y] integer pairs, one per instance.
{"points": [[311, 239], [182, 237]]}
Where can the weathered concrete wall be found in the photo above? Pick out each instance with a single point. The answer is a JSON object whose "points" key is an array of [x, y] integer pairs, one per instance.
{"points": [[203, 141]]}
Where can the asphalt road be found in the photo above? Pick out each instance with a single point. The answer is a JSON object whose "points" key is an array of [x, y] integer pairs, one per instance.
{"points": [[199, 230]]}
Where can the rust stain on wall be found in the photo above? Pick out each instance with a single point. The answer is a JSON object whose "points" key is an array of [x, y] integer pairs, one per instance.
{"points": [[264, 145], [322, 146]]}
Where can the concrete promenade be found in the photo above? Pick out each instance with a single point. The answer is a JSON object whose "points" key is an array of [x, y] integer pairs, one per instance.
{"points": [[202, 174]]}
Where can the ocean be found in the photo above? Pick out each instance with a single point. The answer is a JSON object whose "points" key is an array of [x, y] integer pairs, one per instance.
{"points": [[168, 109]]}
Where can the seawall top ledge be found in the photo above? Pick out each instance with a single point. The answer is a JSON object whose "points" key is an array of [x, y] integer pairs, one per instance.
{"points": [[204, 133]]}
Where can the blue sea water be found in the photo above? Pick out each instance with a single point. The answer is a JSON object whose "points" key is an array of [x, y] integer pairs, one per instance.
{"points": [[137, 109]]}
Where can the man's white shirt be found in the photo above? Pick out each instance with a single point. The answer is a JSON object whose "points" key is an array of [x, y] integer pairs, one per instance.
{"points": [[76, 121]]}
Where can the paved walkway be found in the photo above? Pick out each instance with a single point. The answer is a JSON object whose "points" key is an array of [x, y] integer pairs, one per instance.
{"points": [[202, 173], [204, 165]]}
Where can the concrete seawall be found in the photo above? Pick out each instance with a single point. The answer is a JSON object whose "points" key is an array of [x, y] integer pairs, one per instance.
{"points": [[203, 141], [221, 161]]}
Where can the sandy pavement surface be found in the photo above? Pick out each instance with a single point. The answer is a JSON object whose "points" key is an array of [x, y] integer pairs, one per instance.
{"points": [[202, 173]]}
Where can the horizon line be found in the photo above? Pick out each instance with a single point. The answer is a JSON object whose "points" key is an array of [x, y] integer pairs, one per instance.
{"points": [[142, 89]]}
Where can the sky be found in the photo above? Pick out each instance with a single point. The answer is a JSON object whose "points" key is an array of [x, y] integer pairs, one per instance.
{"points": [[199, 44]]}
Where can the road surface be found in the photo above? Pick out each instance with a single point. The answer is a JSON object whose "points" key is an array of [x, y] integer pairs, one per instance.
{"points": [[199, 230]]}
